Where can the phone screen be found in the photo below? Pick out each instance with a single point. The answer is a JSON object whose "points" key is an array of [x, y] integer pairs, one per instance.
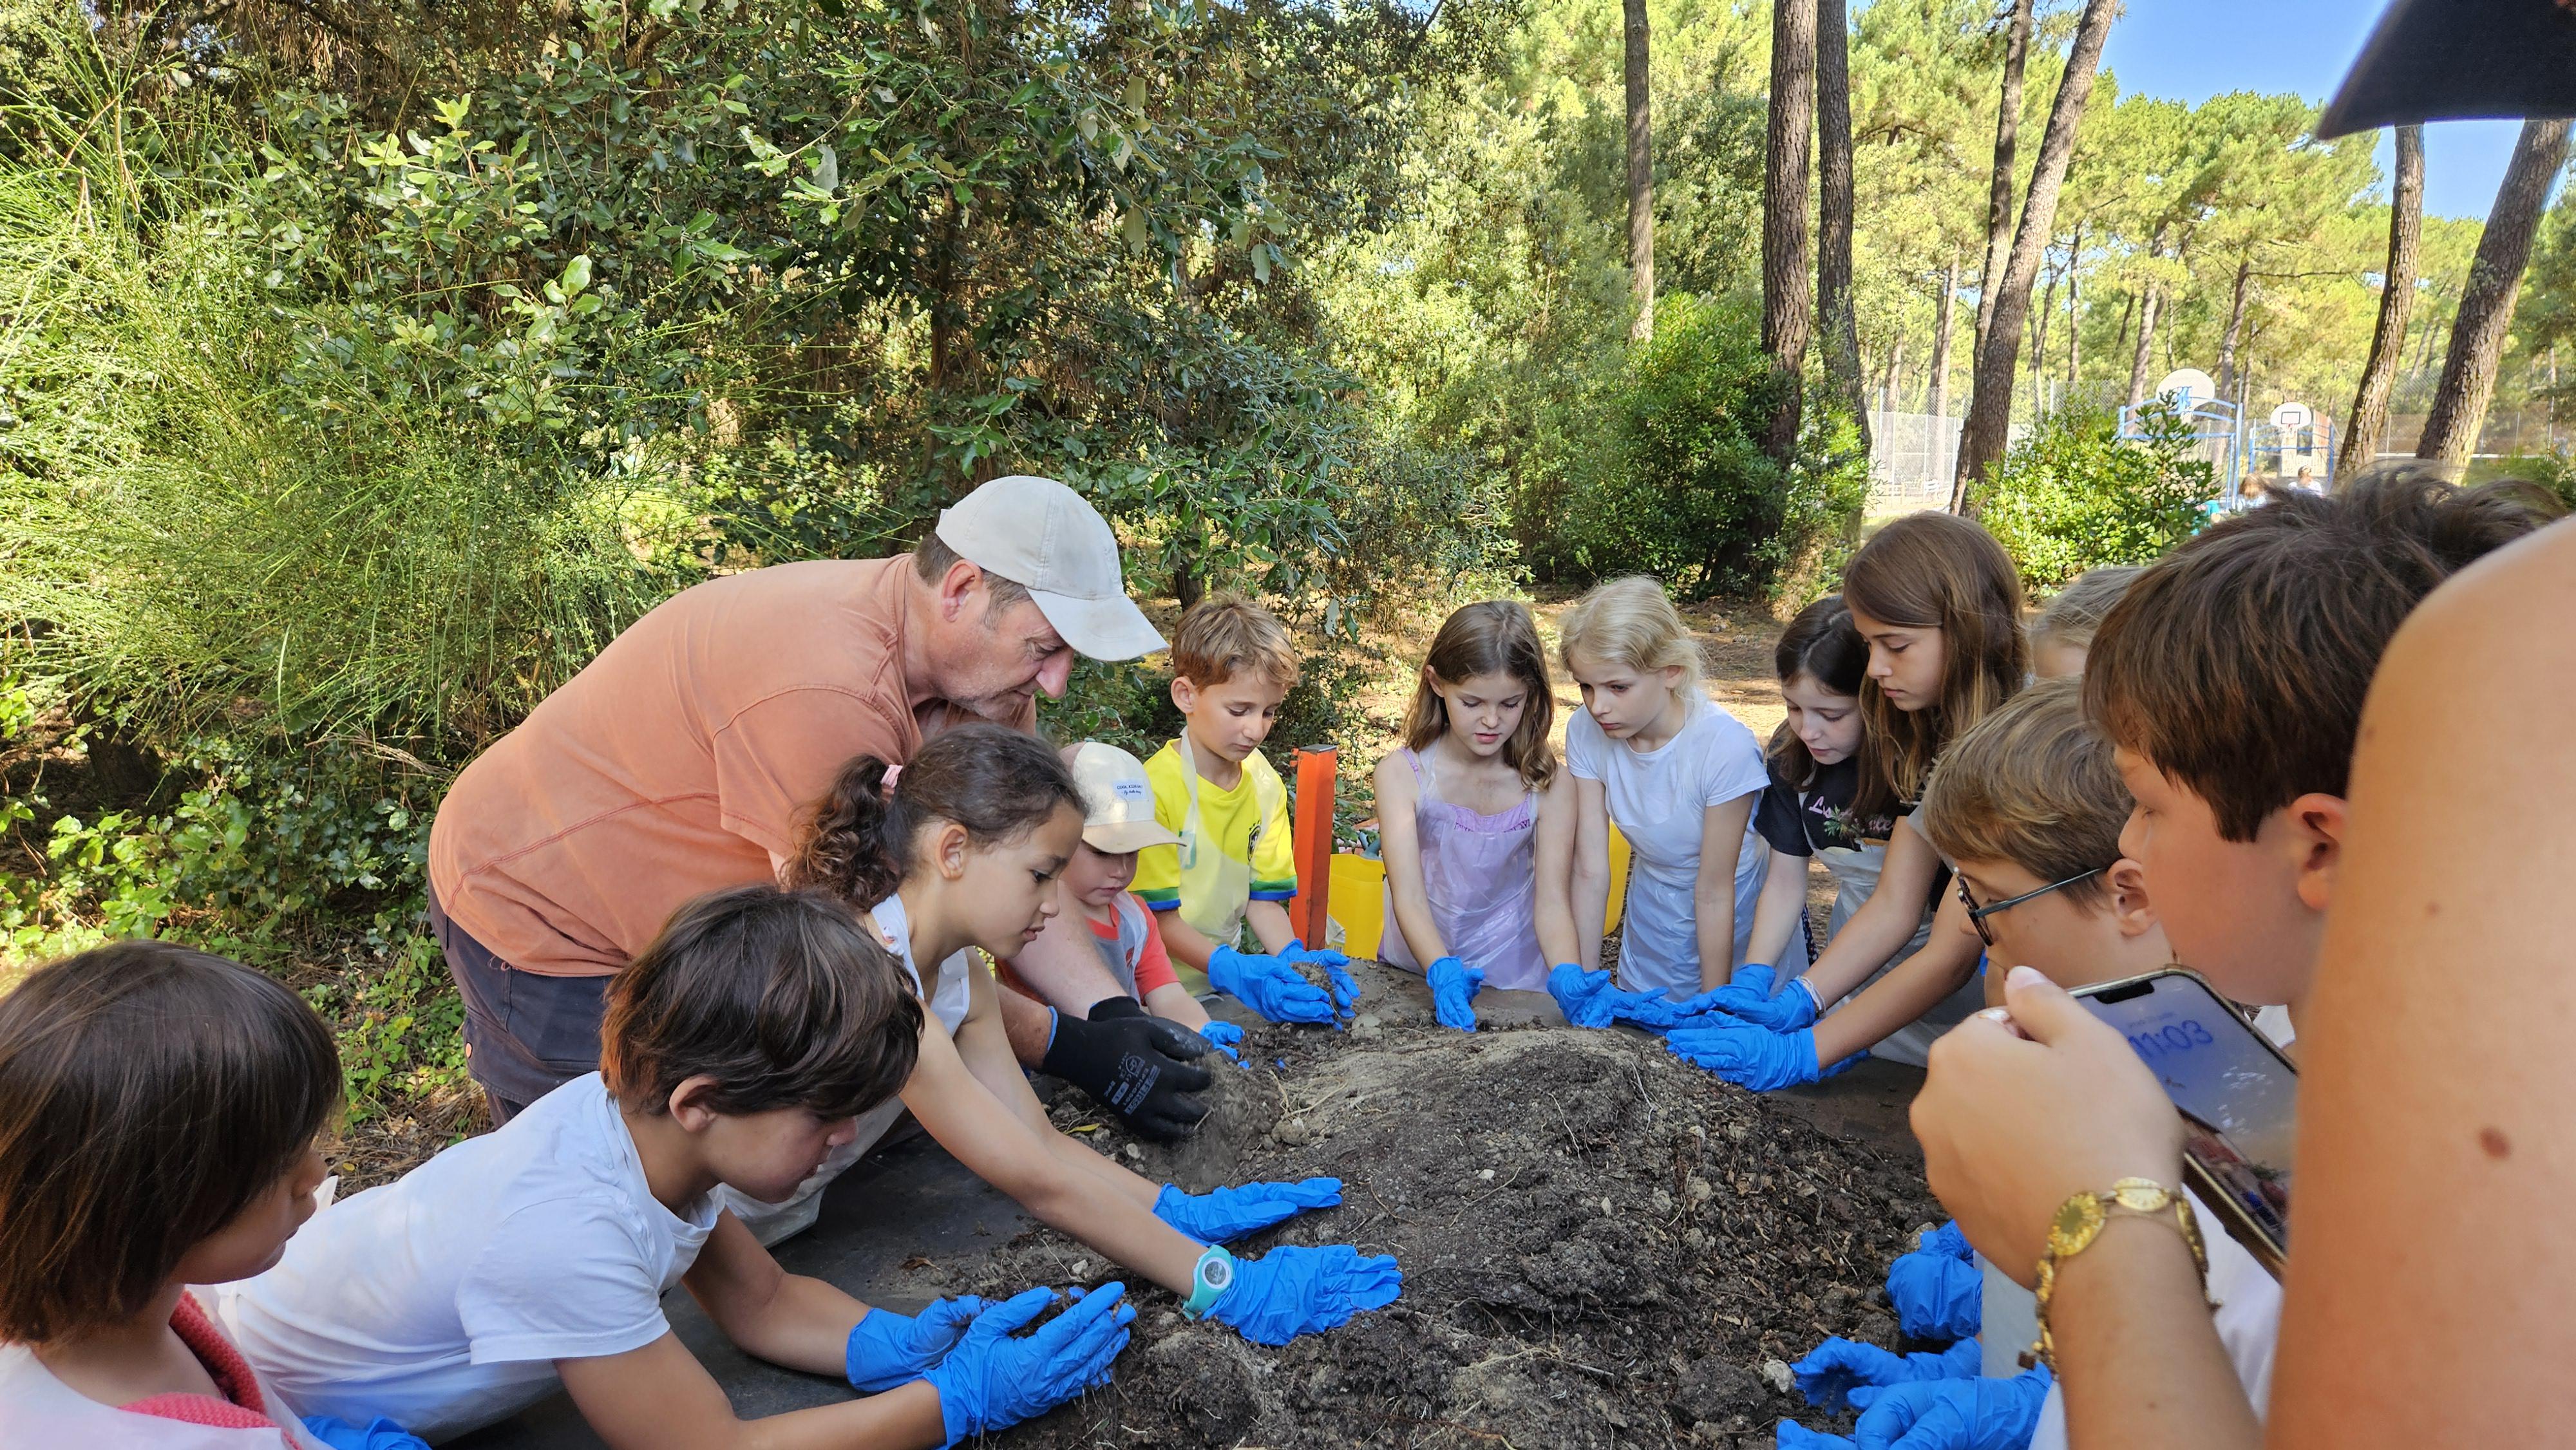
{"points": [[2237, 1095]]}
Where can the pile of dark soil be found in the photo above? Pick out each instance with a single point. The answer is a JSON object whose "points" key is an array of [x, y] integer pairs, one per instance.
{"points": [[1601, 1246]]}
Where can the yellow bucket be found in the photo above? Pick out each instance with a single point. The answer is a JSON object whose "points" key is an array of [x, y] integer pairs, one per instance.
{"points": [[1358, 901]]}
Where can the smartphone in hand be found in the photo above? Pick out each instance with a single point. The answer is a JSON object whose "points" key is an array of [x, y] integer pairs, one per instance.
{"points": [[2236, 1091]]}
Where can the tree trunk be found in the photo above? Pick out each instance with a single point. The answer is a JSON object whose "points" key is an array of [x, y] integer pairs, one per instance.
{"points": [[2146, 341], [2486, 307], [2074, 313], [1981, 442], [1834, 210], [2235, 328], [1940, 400], [2369, 419], [2128, 315], [1641, 179], [1999, 191], [2039, 347], [1891, 385], [1787, 260]]}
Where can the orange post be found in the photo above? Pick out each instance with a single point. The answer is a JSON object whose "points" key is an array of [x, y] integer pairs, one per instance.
{"points": [[1312, 843]]}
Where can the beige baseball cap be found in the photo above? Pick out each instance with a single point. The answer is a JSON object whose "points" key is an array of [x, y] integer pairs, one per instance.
{"points": [[1043, 536], [1118, 801]]}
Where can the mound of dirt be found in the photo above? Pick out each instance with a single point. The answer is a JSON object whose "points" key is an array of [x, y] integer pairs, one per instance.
{"points": [[1601, 1246]]}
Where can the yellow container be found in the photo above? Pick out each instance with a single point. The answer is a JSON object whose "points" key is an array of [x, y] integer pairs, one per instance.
{"points": [[1358, 902]]}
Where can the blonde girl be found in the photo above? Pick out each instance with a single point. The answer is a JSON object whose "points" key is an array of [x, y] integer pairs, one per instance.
{"points": [[1461, 806], [1678, 775], [1938, 604]]}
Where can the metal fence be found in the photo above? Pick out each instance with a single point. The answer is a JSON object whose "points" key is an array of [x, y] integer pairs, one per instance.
{"points": [[1912, 457]]}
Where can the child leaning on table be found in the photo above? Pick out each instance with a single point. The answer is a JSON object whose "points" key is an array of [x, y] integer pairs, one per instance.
{"points": [[2229, 684], [2028, 808], [1117, 826], [159, 1116], [1232, 665], [737, 1050]]}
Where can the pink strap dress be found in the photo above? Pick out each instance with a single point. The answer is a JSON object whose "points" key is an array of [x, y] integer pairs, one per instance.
{"points": [[1481, 873]]}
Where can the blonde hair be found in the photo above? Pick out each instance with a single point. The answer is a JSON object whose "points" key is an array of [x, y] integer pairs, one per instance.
{"points": [[1631, 622], [1497, 637], [2074, 614], [2032, 784], [1224, 635]]}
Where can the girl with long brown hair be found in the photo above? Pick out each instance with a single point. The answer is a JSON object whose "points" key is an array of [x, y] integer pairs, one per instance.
{"points": [[1937, 603], [1461, 805]]}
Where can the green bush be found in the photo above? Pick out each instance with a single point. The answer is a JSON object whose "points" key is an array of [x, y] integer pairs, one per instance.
{"points": [[2074, 496], [1656, 465]]}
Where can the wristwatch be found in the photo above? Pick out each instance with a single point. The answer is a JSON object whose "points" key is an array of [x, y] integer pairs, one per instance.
{"points": [[2079, 1221], [1209, 1279]]}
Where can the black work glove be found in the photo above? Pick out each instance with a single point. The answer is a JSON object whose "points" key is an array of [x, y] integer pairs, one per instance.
{"points": [[1137, 1066]]}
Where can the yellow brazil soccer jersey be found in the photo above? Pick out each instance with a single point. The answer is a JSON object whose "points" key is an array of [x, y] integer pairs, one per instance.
{"points": [[1236, 852]]}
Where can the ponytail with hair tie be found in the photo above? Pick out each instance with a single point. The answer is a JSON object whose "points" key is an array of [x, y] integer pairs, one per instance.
{"points": [[996, 782]]}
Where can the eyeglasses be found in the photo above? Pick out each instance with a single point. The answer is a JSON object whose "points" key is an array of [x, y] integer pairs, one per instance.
{"points": [[1977, 914]]}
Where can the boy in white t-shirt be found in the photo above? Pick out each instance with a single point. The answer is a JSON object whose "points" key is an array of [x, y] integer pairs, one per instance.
{"points": [[2028, 808], [736, 1052]]}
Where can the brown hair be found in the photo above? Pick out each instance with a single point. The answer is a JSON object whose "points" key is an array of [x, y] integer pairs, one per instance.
{"points": [[2031, 784], [2237, 665], [780, 996], [932, 559], [1497, 637], [148, 1094], [2074, 614], [1934, 571], [1820, 644], [1631, 622], [1225, 635], [996, 782]]}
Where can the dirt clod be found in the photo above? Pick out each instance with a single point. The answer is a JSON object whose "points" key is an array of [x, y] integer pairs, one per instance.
{"points": [[1601, 1247]]}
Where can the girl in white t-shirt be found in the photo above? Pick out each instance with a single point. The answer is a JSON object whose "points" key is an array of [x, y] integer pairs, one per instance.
{"points": [[959, 852], [1678, 776], [158, 1115]]}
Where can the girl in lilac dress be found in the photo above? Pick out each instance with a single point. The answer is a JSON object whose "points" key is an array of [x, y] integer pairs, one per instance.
{"points": [[1462, 805]]}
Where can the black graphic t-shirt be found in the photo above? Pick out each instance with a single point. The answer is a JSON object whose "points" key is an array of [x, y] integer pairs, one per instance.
{"points": [[1802, 822], [1818, 817]]}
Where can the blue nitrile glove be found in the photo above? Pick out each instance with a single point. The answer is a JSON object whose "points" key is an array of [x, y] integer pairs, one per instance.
{"points": [[1224, 1037], [1749, 1056], [1749, 998], [888, 1349], [1345, 987], [1228, 1214], [377, 1434], [1269, 986], [1839, 1366], [1292, 1291], [1794, 1436], [1574, 988], [995, 1377], [1589, 999], [1454, 985], [1949, 1239], [1937, 1294], [1965, 1414]]}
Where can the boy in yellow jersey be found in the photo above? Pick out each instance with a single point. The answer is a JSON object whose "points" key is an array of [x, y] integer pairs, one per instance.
{"points": [[1232, 665]]}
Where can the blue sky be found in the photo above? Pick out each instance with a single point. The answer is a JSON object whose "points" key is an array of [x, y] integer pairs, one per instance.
{"points": [[2193, 49]]}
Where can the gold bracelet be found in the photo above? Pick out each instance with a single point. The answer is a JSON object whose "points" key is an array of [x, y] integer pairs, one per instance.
{"points": [[2079, 1221]]}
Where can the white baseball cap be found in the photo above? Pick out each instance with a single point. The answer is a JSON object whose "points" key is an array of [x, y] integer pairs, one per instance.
{"points": [[1049, 540], [1118, 802]]}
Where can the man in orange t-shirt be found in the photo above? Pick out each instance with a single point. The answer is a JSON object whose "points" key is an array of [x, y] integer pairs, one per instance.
{"points": [[684, 758]]}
